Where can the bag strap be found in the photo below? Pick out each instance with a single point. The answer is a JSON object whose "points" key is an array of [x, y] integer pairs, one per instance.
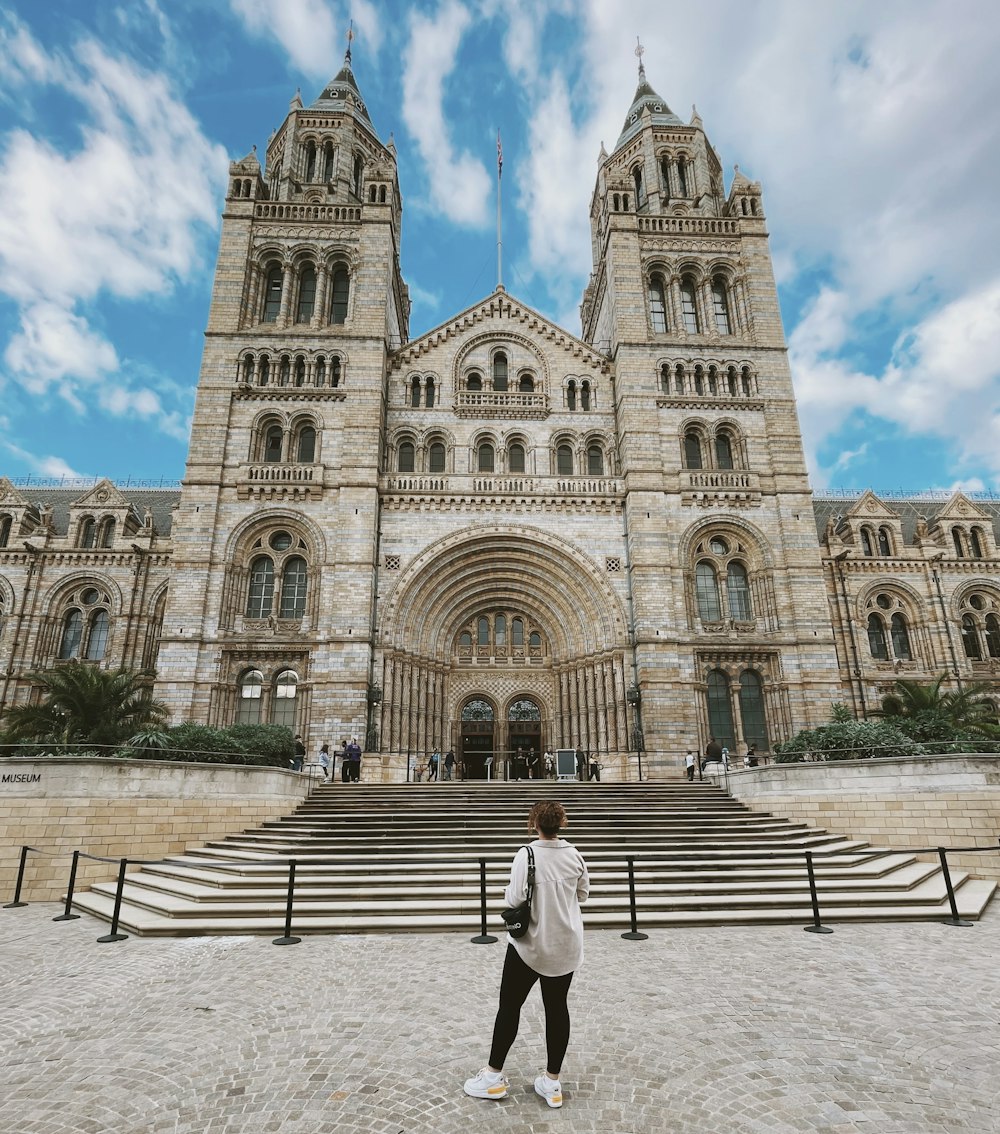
{"points": [[531, 874]]}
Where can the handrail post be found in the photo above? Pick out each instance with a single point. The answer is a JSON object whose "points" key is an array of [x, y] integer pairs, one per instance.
{"points": [[114, 935], [484, 938], [20, 879], [288, 939], [816, 927], [633, 934], [66, 915], [954, 919]]}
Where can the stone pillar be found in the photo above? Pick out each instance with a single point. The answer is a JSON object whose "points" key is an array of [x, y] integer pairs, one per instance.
{"points": [[287, 288], [322, 287]]}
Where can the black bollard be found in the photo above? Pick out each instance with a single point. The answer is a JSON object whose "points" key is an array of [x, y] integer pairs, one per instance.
{"points": [[66, 915], [484, 938], [114, 935], [816, 927], [20, 879], [288, 939], [633, 934], [954, 919]]}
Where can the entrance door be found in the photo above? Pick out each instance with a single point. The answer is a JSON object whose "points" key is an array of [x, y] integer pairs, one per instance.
{"points": [[524, 733], [476, 738]]}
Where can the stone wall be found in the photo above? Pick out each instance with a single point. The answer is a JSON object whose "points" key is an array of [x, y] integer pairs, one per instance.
{"points": [[902, 802], [138, 809]]}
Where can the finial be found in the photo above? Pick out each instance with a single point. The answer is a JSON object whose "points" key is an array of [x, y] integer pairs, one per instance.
{"points": [[736, 168], [350, 37], [640, 51]]}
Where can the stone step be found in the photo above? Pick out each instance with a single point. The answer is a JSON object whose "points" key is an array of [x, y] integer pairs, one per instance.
{"points": [[971, 899]]}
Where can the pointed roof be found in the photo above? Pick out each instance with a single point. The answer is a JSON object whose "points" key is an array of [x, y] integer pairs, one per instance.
{"points": [[343, 93], [646, 98]]}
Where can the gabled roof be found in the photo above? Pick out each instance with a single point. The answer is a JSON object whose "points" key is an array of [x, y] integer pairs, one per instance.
{"points": [[869, 507], [343, 93], [10, 497], [960, 507], [645, 97], [494, 308], [104, 494]]}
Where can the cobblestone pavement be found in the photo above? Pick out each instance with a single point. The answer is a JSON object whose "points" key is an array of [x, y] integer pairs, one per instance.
{"points": [[880, 1029]]}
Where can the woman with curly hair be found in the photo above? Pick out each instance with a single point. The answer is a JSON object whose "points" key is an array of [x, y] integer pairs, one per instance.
{"points": [[549, 952]]}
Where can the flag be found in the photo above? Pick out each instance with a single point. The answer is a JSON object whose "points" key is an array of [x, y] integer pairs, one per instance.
{"points": [[499, 156]]}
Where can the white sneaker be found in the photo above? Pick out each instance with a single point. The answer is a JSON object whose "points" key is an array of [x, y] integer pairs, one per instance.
{"points": [[488, 1085], [550, 1090]]}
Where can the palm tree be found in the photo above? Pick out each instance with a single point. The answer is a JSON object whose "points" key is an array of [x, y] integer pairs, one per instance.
{"points": [[84, 704], [936, 714]]}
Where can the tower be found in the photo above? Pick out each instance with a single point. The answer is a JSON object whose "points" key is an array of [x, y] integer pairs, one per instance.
{"points": [[730, 611], [269, 615]]}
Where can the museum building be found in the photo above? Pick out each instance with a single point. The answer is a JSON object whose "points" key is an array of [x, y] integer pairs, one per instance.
{"points": [[499, 534]]}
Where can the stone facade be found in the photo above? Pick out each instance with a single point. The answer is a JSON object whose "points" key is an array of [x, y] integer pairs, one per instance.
{"points": [[499, 534]]}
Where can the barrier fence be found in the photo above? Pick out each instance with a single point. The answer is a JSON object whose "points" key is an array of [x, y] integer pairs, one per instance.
{"points": [[484, 938]]}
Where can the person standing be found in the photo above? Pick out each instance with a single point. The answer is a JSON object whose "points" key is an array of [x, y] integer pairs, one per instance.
{"points": [[689, 765], [549, 763], [550, 952], [432, 766], [581, 764], [449, 764], [300, 754], [354, 760], [713, 752], [324, 761], [345, 763]]}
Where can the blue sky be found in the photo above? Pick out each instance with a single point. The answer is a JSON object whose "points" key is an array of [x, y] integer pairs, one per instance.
{"points": [[872, 127]]}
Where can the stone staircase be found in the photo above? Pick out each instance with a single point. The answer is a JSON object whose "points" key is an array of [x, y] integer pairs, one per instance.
{"points": [[404, 858]]}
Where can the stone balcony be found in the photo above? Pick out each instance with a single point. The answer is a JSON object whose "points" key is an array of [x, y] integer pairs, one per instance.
{"points": [[500, 403], [511, 484], [720, 486], [266, 481]]}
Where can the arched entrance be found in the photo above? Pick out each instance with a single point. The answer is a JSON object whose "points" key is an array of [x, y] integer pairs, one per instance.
{"points": [[524, 737], [476, 738]]}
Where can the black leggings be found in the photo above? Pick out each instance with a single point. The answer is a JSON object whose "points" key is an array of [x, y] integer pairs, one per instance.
{"points": [[518, 980]]}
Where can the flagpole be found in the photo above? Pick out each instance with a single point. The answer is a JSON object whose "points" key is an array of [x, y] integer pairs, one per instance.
{"points": [[499, 229]]}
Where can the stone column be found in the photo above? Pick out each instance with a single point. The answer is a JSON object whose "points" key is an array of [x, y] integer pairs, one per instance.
{"points": [[674, 302], [322, 287], [603, 741], [287, 288]]}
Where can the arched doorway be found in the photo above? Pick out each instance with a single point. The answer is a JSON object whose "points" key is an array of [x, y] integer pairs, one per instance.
{"points": [[476, 738], [524, 734]]}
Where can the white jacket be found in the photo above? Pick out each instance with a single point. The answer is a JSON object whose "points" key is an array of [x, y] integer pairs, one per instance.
{"points": [[553, 945]]}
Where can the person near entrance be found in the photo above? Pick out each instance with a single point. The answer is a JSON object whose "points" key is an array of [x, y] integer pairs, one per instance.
{"points": [[432, 765], [354, 760], [689, 765], [533, 764], [713, 752], [345, 763], [581, 763], [449, 764], [549, 764], [550, 952]]}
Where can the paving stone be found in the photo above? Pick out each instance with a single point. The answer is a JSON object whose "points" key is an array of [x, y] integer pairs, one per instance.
{"points": [[877, 1029]]}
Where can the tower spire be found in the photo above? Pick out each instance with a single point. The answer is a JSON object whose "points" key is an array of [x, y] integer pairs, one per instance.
{"points": [[640, 51], [350, 37]]}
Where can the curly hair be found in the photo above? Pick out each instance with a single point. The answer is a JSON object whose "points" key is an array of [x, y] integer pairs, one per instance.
{"points": [[547, 818]]}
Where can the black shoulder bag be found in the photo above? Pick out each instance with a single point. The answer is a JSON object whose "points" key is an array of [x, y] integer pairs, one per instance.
{"points": [[518, 917]]}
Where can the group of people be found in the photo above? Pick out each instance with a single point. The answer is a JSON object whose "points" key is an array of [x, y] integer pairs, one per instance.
{"points": [[716, 753], [348, 755], [434, 765]]}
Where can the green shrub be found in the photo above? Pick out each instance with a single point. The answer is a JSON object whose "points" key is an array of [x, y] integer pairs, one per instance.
{"points": [[848, 740], [202, 745], [268, 744]]}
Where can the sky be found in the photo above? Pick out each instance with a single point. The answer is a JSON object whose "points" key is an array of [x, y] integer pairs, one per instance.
{"points": [[873, 128]]}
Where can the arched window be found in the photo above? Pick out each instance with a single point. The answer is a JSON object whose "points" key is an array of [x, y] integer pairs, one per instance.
{"points": [[900, 638], [341, 293], [283, 703], [515, 457], [474, 382], [72, 635], [485, 457], [571, 395], [429, 388], [720, 709], [265, 370], [272, 294], [993, 635], [293, 588], [319, 371], [534, 640], [5, 525], [415, 393], [738, 593], [713, 380], [249, 691], [707, 592], [436, 456], [876, 638], [260, 596], [97, 639], [564, 460], [483, 632], [731, 381], [720, 302], [956, 535], [970, 638], [745, 381], [335, 370], [682, 177], [406, 456], [516, 632], [273, 437], [328, 161], [87, 529], [976, 543], [358, 168], [500, 630], [665, 379], [752, 710], [595, 460], [692, 450], [499, 371], [307, 295], [585, 396], [657, 305], [884, 548], [665, 176], [300, 371], [306, 445], [285, 371], [465, 640], [526, 384], [310, 161], [723, 451], [640, 188], [699, 380], [866, 542], [107, 533]]}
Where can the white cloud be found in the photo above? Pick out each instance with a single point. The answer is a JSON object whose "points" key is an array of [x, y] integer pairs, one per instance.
{"points": [[460, 187], [47, 466]]}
